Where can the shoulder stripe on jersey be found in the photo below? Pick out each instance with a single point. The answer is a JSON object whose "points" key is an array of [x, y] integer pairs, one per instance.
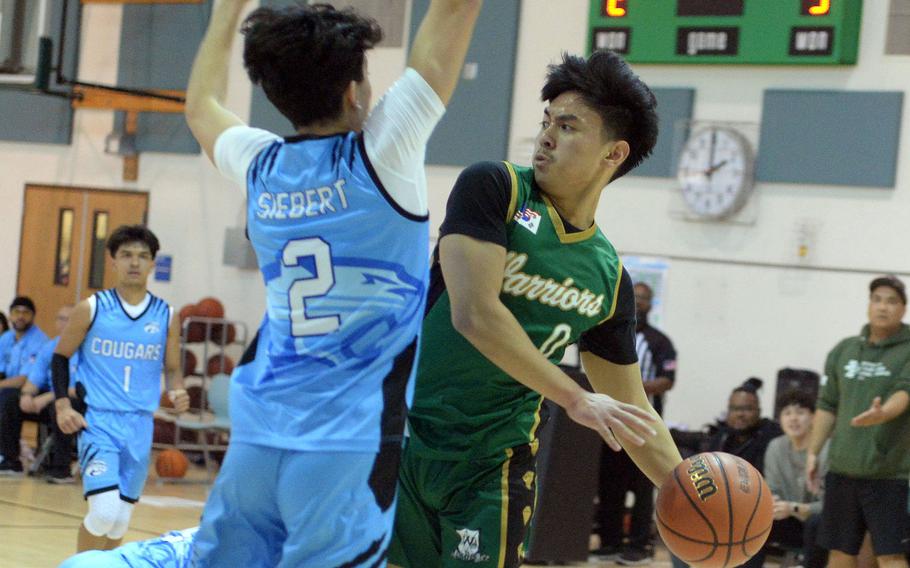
{"points": [[513, 199], [382, 190], [272, 156], [616, 288]]}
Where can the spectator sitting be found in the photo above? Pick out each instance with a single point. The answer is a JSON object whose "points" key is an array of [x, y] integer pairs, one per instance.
{"points": [[744, 433], [796, 509], [18, 350]]}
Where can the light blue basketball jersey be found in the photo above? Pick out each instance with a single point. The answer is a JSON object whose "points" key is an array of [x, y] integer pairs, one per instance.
{"points": [[18, 357], [40, 375], [121, 358], [345, 271]]}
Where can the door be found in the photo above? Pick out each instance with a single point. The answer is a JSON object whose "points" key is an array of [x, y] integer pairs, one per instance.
{"points": [[62, 255]]}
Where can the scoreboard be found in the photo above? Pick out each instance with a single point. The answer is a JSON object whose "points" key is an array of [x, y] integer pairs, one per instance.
{"points": [[770, 32]]}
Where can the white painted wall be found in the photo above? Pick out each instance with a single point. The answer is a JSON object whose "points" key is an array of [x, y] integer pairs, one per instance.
{"points": [[729, 321]]}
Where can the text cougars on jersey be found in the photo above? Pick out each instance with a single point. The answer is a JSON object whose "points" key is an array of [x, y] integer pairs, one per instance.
{"points": [[126, 349], [547, 291], [304, 203]]}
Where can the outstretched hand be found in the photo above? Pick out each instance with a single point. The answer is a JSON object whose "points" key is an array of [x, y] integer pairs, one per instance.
{"points": [[613, 420], [875, 415]]}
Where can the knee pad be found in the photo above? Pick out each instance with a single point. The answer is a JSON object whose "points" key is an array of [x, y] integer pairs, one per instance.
{"points": [[123, 521], [103, 510]]}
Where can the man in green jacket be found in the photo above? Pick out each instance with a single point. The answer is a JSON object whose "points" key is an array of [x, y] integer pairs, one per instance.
{"points": [[866, 486]]}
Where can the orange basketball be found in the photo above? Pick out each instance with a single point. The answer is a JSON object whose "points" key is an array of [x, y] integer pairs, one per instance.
{"points": [[223, 334], [219, 363], [186, 311], [209, 308], [171, 463], [715, 510], [189, 362], [195, 394], [195, 332]]}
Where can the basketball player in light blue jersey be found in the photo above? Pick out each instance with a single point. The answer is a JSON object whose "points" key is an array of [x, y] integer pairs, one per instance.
{"points": [[125, 336], [170, 550], [337, 215]]}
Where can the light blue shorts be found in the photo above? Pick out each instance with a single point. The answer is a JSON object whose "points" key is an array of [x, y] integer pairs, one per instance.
{"points": [[272, 507], [114, 452]]}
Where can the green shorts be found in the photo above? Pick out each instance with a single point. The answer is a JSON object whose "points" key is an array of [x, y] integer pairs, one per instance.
{"points": [[464, 513]]}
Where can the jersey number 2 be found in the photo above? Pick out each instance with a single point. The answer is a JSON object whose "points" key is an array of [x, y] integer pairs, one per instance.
{"points": [[313, 287]]}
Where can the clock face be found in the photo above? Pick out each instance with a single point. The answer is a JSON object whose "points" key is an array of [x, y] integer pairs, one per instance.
{"points": [[715, 172]]}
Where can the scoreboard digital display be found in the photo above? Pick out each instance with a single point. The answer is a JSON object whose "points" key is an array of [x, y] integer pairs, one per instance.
{"points": [[768, 32]]}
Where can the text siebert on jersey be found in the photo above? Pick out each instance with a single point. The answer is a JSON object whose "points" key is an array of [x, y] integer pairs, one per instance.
{"points": [[304, 203]]}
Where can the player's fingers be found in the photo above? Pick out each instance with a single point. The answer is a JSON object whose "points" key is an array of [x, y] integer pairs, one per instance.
{"points": [[621, 430], [635, 422], [610, 439], [638, 412]]}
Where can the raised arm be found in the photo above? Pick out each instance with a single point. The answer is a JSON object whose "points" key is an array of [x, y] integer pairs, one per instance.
{"points": [[441, 43], [205, 112]]}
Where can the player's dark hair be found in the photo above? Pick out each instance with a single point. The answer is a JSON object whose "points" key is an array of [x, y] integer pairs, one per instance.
{"points": [[4, 323], [125, 234], [304, 57], [607, 84], [796, 397]]}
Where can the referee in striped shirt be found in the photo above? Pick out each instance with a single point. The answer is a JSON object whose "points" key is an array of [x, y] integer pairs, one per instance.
{"points": [[656, 355], [618, 474]]}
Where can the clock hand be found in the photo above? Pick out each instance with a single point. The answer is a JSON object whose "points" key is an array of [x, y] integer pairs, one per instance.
{"points": [[710, 171], [713, 144]]}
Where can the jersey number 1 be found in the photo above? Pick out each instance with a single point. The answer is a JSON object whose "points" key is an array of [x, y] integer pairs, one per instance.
{"points": [[313, 287]]}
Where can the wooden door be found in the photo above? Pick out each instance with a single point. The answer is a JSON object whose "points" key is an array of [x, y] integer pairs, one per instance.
{"points": [[62, 254]]}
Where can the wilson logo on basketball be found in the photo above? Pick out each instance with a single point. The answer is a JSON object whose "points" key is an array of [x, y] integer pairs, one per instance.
{"points": [[703, 483]]}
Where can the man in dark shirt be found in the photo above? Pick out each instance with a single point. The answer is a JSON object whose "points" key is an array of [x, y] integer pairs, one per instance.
{"points": [[744, 433]]}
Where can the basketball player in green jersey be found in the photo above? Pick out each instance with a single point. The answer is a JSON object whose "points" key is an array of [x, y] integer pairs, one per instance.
{"points": [[522, 271]]}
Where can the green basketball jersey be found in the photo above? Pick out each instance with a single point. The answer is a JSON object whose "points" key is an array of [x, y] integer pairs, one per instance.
{"points": [[558, 285]]}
